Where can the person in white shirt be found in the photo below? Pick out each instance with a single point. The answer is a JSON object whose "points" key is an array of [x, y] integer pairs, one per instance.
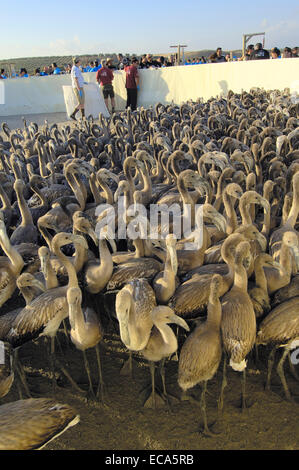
{"points": [[77, 84]]}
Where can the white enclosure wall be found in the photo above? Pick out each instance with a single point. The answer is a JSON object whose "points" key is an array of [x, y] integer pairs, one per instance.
{"points": [[94, 101], [177, 84]]}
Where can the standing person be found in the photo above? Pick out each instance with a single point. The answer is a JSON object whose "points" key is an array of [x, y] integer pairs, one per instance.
{"points": [[132, 84], [56, 69], [259, 53], [109, 63], [287, 53], [23, 73], [219, 56], [275, 53], [96, 66], [77, 84], [120, 64], [144, 62], [45, 71], [249, 52], [104, 78]]}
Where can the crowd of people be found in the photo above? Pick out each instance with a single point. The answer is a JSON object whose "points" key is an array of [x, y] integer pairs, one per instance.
{"points": [[147, 61], [257, 52], [254, 52]]}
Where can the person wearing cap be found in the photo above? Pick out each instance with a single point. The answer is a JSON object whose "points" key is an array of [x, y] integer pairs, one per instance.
{"points": [[110, 64], [77, 84], [259, 53], [132, 84], [104, 78]]}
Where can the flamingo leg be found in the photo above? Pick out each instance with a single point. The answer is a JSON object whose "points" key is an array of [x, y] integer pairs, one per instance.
{"points": [[101, 385], [19, 390], [52, 363], [223, 385], [72, 382], [154, 398], [59, 345], [127, 368], [282, 376], [65, 328], [17, 366], [270, 367], [203, 409], [152, 370], [162, 372], [244, 390], [87, 368]]}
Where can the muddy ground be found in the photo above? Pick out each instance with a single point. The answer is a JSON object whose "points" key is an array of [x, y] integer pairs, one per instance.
{"points": [[122, 423]]}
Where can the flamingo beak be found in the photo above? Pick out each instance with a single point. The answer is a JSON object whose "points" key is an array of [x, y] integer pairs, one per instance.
{"points": [[262, 241], [295, 251], [265, 205], [39, 285], [80, 240], [179, 321]]}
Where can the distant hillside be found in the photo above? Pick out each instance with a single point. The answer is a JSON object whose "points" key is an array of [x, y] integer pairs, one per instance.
{"points": [[208, 52], [31, 63]]}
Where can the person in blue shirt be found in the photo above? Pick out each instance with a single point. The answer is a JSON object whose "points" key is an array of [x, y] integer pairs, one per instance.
{"points": [[96, 66], [89, 67], [56, 70], [45, 71], [23, 73]]}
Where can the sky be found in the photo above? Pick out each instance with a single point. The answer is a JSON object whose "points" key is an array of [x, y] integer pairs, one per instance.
{"points": [[31, 28]]}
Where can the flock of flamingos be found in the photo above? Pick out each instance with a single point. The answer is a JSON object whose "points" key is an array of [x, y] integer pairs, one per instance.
{"points": [[238, 158]]}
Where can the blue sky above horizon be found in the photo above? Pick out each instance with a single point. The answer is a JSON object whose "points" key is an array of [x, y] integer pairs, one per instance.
{"points": [[30, 28]]}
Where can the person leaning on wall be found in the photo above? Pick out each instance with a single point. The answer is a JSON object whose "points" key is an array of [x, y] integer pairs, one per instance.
{"points": [[295, 52], [77, 84], [259, 52], [275, 53]]}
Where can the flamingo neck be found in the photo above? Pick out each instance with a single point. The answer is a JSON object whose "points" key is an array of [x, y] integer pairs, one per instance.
{"points": [[231, 215], [14, 257], [72, 275]]}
